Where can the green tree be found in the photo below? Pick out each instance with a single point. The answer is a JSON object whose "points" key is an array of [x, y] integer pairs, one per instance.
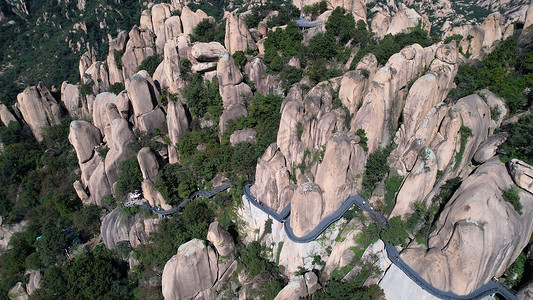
{"points": [[395, 232], [150, 63], [129, 176]]}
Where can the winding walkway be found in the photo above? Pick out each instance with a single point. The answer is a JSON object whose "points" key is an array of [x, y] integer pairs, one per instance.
{"points": [[392, 253], [204, 193]]}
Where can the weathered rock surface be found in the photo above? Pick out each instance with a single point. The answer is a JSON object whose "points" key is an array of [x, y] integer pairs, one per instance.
{"points": [[190, 19], [178, 124], [168, 72], [207, 52], [300, 286], [522, 174], [143, 96], [34, 282], [221, 239], [418, 183], [149, 169], [139, 233], [354, 84], [7, 231], [332, 172], [272, 182], [190, 272], [468, 239], [406, 290], [121, 135], [232, 89], [264, 83], [306, 208], [115, 228], [493, 28], [18, 292], [489, 147], [84, 137], [381, 103], [529, 17], [6, 116], [80, 191], [97, 76], [38, 108], [244, 135], [526, 292], [70, 95], [138, 48], [238, 37]]}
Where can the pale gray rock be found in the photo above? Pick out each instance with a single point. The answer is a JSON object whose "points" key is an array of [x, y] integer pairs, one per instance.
{"points": [[190, 19], [168, 73], [489, 147], [86, 60], [207, 52], [84, 137], [272, 179], [331, 173], [306, 208], [115, 228], [177, 125], [221, 239], [295, 289], [244, 135], [98, 76], [18, 292], [34, 282], [160, 12], [238, 37], [121, 135], [6, 116], [139, 233], [70, 95], [468, 239], [264, 83], [80, 191], [149, 169], [38, 108], [190, 272], [522, 174], [138, 48]]}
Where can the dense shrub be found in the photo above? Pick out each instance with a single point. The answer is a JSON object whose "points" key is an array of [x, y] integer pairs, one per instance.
{"points": [[520, 142], [392, 186], [507, 71], [116, 88], [129, 177], [512, 197], [150, 63], [316, 9], [376, 169], [93, 275], [174, 182], [341, 25], [396, 232], [208, 31], [203, 98], [391, 44]]}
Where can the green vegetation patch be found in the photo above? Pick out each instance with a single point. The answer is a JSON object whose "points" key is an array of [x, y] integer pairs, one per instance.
{"points": [[376, 169], [150, 63], [465, 133], [512, 197], [392, 186]]}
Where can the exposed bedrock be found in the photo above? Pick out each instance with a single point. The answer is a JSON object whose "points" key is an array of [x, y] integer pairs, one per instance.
{"points": [[189, 273], [479, 234], [38, 108]]}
